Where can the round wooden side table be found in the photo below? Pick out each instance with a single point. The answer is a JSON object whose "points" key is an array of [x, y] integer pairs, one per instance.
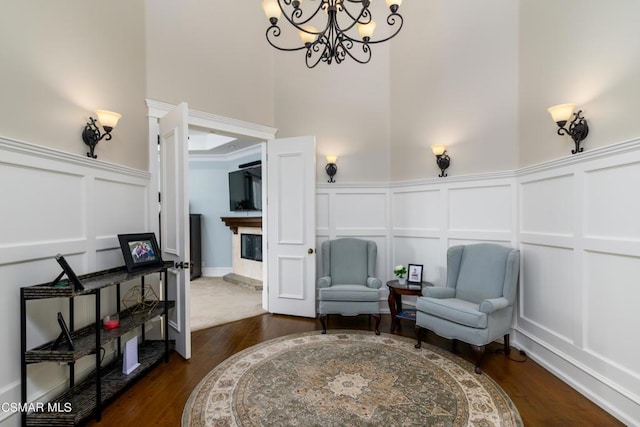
{"points": [[396, 290]]}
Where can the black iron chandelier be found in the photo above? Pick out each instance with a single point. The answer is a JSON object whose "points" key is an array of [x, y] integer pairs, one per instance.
{"points": [[331, 41]]}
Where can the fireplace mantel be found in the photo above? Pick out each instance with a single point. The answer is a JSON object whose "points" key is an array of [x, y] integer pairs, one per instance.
{"points": [[233, 222]]}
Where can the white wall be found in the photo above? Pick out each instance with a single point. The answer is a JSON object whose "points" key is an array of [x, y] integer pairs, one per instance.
{"points": [[454, 81], [53, 203], [212, 55], [581, 51], [63, 60]]}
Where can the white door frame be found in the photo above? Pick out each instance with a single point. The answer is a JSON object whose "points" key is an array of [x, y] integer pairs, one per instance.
{"points": [[157, 109]]}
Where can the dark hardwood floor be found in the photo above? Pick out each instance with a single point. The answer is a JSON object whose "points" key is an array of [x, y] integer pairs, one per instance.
{"points": [[159, 397]]}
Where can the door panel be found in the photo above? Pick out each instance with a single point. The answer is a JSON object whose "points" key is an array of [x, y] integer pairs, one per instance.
{"points": [[174, 220], [291, 226]]}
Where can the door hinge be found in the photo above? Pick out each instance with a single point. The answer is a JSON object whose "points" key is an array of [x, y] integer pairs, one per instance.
{"points": [[158, 139], [159, 197]]}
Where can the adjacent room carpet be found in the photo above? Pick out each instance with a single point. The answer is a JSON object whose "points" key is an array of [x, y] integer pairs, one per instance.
{"points": [[214, 302], [345, 378]]}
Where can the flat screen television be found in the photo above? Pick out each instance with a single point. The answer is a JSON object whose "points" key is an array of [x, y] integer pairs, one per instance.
{"points": [[245, 189]]}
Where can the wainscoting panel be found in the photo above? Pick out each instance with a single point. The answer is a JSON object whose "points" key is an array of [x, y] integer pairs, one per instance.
{"points": [[48, 194], [359, 212], [116, 205], [548, 205], [611, 299], [486, 209], [54, 202], [355, 211], [417, 210], [580, 241], [322, 214], [610, 212], [548, 290]]}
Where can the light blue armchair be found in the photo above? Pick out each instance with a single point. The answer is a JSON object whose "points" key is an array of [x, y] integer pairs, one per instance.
{"points": [[348, 287], [476, 306]]}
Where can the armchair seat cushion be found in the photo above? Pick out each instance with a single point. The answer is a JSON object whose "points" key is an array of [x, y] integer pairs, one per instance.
{"points": [[454, 310], [348, 293]]}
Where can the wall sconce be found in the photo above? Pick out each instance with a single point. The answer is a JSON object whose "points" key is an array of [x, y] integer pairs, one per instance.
{"points": [[578, 128], [331, 167], [91, 134], [442, 158]]}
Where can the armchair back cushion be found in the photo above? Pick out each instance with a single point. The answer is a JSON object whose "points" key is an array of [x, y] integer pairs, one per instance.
{"points": [[348, 261], [478, 272]]}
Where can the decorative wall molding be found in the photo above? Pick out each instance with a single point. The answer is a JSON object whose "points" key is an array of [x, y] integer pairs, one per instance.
{"points": [[585, 156], [37, 151], [158, 109], [56, 202]]}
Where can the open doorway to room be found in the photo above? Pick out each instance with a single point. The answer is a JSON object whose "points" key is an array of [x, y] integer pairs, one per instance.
{"points": [[225, 206]]}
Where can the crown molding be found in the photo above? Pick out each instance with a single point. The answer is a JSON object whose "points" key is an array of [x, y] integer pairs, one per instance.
{"points": [[583, 157], [47, 153], [158, 109]]}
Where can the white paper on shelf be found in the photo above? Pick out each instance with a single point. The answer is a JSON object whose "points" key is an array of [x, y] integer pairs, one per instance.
{"points": [[130, 357]]}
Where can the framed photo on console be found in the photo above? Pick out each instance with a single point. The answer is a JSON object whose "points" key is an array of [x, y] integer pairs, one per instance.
{"points": [[140, 250], [414, 274]]}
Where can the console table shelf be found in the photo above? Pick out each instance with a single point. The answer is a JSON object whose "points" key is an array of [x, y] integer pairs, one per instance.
{"points": [[82, 396], [86, 398], [84, 339]]}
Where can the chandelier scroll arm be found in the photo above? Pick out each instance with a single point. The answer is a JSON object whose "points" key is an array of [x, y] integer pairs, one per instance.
{"points": [[392, 20], [299, 12], [276, 33]]}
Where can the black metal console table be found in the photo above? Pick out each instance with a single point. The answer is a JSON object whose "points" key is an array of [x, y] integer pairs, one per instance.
{"points": [[87, 398]]}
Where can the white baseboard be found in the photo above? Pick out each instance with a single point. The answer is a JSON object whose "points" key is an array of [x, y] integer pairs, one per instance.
{"points": [[216, 271], [570, 372]]}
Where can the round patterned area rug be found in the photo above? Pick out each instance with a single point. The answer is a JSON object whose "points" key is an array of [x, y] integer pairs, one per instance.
{"points": [[347, 378]]}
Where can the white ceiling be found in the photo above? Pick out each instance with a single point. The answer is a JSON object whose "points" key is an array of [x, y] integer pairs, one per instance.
{"points": [[205, 142]]}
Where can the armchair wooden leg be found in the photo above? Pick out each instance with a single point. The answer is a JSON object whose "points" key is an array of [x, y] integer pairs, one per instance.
{"points": [[377, 317], [479, 351], [420, 334], [507, 347], [324, 318]]}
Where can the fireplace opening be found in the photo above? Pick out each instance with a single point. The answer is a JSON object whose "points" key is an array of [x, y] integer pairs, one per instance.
{"points": [[251, 246]]}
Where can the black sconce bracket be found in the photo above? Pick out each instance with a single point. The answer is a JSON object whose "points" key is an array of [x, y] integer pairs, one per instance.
{"points": [[91, 136], [578, 130], [331, 170], [443, 162]]}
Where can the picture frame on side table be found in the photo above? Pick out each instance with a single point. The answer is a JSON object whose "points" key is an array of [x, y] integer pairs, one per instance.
{"points": [[140, 250], [414, 274], [71, 275]]}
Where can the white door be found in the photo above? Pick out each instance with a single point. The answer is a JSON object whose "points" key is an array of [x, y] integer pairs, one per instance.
{"points": [[174, 221], [291, 227]]}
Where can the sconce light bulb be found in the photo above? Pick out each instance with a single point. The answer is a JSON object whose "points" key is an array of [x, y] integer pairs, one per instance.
{"points": [[438, 149], [561, 113], [108, 119]]}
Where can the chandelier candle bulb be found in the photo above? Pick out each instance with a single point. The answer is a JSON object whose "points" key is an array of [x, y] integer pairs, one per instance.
{"points": [[308, 34], [366, 30], [272, 10]]}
